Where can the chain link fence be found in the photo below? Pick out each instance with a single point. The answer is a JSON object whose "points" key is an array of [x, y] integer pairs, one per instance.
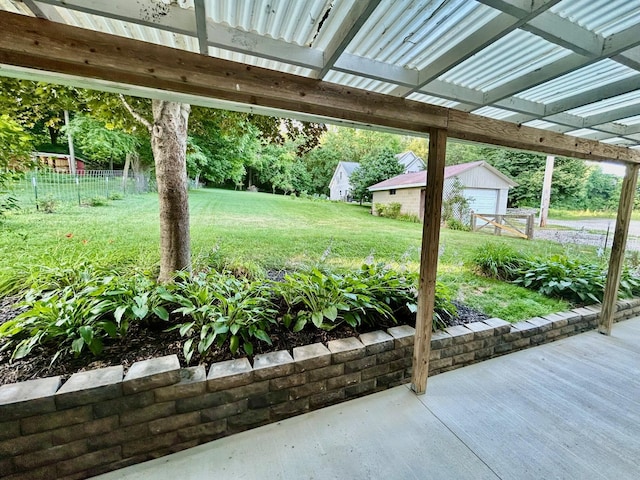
{"points": [[42, 186]]}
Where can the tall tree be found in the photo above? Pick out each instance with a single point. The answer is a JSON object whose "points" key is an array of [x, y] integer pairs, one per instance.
{"points": [[39, 107], [569, 177], [168, 131], [373, 169], [103, 145]]}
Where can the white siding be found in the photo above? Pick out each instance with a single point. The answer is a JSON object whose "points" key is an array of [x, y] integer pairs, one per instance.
{"points": [[481, 178], [339, 187]]}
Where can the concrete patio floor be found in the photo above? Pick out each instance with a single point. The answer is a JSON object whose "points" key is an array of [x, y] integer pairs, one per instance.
{"points": [[569, 409]]}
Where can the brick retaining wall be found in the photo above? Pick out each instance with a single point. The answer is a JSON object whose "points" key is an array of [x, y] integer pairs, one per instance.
{"points": [[102, 420]]}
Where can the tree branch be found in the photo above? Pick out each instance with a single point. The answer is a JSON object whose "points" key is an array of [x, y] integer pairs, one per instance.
{"points": [[135, 114]]}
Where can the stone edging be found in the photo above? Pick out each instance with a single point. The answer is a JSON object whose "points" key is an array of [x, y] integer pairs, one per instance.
{"points": [[102, 420]]}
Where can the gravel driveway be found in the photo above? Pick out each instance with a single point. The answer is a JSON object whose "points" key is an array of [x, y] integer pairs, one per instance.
{"points": [[588, 232]]}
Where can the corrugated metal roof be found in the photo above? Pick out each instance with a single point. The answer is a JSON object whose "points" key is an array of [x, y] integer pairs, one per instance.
{"points": [[542, 62], [584, 79], [513, 56], [603, 17], [417, 179]]}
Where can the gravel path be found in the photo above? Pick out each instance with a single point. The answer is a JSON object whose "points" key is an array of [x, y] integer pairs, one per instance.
{"points": [[589, 232]]}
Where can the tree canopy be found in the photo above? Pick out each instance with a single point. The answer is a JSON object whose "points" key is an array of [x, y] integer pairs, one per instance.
{"points": [[373, 169]]}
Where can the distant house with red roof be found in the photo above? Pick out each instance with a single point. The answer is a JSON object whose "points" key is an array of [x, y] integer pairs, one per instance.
{"points": [[484, 186]]}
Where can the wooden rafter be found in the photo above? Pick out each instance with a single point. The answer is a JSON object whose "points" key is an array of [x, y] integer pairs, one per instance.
{"points": [[39, 44]]}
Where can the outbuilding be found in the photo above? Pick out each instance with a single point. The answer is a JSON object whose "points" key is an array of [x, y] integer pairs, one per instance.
{"points": [[485, 187]]}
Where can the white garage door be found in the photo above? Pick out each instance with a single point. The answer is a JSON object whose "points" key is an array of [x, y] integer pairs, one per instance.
{"points": [[482, 200]]}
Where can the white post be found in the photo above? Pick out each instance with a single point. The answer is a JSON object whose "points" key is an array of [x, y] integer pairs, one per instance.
{"points": [[546, 191], [72, 154]]}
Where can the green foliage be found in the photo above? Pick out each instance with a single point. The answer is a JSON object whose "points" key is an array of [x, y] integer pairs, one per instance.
{"points": [[566, 278], [80, 313], [389, 210], [456, 207], [220, 308], [455, 224], [115, 196], [499, 260], [458, 153], [102, 143], [602, 190], [47, 204], [16, 144], [373, 293], [373, 169], [527, 169], [443, 307], [558, 276], [98, 201]]}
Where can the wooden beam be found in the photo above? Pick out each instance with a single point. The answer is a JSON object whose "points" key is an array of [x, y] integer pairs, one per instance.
{"points": [[39, 44], [625, 207], [429, 259]]}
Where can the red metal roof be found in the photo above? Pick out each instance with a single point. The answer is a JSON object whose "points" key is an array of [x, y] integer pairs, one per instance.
{"points": [[419, 179]]}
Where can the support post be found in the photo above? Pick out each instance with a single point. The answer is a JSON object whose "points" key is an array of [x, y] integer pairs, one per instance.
{"points": [[72, 153], [546, 190], [625, 207], [429, 259]]}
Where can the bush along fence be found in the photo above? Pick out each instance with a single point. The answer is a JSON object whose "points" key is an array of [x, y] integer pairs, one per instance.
{"points": [[102, 420], [40, 187]]}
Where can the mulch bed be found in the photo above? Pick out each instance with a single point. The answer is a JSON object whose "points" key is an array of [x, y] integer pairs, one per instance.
{"points": [[144, 343]]}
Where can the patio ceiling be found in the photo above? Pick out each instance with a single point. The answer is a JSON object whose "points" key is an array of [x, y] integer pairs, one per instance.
{"points": [[566, 66]]}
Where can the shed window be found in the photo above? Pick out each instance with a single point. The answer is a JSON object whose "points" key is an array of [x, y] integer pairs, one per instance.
{"points": [[392, 191]]}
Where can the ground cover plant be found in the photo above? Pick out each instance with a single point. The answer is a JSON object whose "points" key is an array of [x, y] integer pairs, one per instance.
{"points": [[104, 260], [579, 281]]}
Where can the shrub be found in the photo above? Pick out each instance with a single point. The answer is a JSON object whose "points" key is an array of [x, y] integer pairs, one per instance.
{"points": [[47, 204], [562, 277], [388, 210], [115, 196], [97, 202], [220, 308], [499, 260], [455, 224]]}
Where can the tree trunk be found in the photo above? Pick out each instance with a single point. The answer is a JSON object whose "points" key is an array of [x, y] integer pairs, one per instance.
{"points": [[169, 144], [125, 172], [53, 135]]}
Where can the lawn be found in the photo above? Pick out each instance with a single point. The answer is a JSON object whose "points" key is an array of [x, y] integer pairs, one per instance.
{"points": [[263, 231]]}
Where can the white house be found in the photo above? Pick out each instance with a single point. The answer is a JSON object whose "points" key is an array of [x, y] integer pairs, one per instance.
{"points": [[485, 187], [340, 186]]}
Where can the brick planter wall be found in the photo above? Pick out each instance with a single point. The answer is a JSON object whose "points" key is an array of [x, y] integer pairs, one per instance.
{"points": [[102, 420]]}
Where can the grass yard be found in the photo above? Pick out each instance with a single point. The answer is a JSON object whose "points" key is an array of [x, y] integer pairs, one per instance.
{"points": [[259, 230]]}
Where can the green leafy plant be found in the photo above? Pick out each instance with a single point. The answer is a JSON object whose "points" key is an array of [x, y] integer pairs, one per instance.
{"points": [[499, 260], [98, 202], [389, 210], [70, 320], [220, 308], [115, 196], [48, 204], [369, 295], [444, 308], [565, 278]]}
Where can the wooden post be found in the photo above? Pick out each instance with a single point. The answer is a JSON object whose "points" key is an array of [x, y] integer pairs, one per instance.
{"points": [[530, 226], [625, 207], [429, 259], [546, 191], [473, 221], [499, 220]]}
